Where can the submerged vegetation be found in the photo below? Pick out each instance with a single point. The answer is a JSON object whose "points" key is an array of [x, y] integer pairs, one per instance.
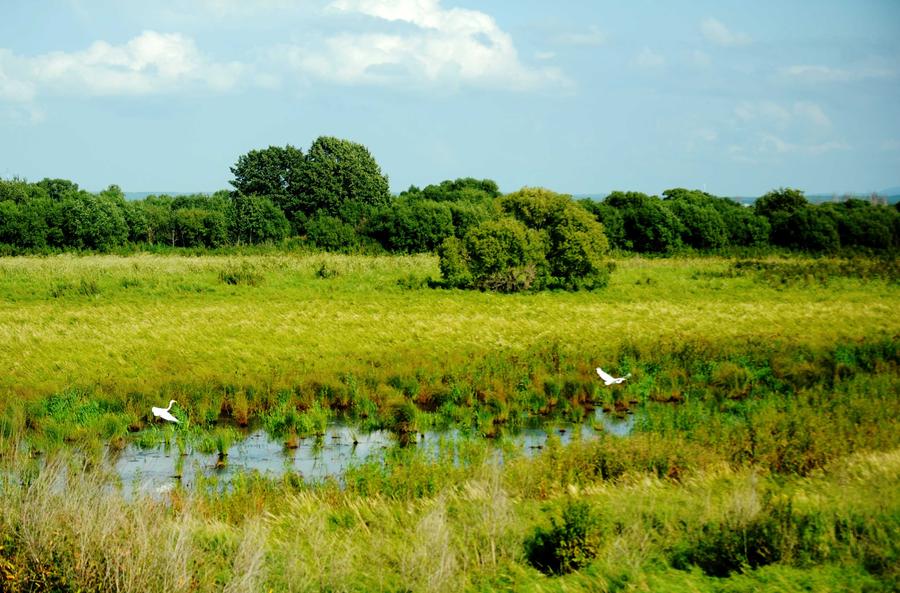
{"points": [[764, 453]]}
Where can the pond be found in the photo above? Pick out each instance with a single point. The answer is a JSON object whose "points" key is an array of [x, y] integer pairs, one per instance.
{"points": [[158, 469]]}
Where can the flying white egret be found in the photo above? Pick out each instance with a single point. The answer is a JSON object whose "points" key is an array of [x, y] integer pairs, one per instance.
{"points": [[609, 379], [164, 413]]}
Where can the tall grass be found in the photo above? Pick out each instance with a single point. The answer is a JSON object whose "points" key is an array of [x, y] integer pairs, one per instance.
{"points": [[157, 328], [765, 455], [713, 528]]}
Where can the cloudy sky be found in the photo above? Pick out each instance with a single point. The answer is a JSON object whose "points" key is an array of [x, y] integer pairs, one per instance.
{"points": [[578, 96]]}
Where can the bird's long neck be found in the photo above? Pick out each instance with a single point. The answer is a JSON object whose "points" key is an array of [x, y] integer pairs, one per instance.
{"points": [[170, 405]]}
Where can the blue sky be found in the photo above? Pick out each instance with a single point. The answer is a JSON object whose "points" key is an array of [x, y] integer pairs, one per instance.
{"points": [[734, 97]]}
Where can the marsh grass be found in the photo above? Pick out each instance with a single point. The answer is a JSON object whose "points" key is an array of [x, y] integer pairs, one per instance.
{"points": [[738, 526], [764, 453]]}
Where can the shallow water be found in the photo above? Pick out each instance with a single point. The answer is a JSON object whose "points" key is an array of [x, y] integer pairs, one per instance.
{"points": [[156, 469]]}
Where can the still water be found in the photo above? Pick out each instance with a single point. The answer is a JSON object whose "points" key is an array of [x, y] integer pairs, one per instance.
{"points": [[156, 469]]}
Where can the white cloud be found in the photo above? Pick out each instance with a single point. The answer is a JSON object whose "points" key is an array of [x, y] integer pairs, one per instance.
{"points": [[771, 143], [706, 134], [825, 74], [151, 63], [699, 58], [647, 58], [592, 37], [716, 32], [773, 113], [765, 110], [443, 46], [811, 113], [12, 86], [765, 146]]}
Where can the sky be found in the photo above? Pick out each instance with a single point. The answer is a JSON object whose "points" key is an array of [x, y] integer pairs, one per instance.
{"points": [[733, 97]]}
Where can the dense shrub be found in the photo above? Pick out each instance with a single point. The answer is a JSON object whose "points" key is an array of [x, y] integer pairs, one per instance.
{"points": [[610, 218], [862, 224], [777, 532], [504, 255], [412, 226], [331, 233], [255, 219], [808, 229], [545, 240], [649, 227], [569, 544]]}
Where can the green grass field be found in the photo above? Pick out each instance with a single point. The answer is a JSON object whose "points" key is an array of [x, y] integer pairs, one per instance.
{"points": [[766, 452]]}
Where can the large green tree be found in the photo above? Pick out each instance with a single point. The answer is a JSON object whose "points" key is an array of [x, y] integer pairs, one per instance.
{"points": [[273, 172], [339, 172]]}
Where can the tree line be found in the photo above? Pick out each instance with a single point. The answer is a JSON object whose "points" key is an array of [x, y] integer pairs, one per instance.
{"points": [[336, 198]]}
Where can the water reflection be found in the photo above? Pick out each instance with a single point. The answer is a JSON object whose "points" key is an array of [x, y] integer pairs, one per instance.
{"points": [[159, 469]]}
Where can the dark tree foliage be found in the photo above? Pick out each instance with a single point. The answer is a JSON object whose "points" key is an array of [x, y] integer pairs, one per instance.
{"points": [[744, 227], [500, 254], [863, 224], [57, 189], [576, 244], [412, 225], [810, 229], [544, 240], [331, 233], [610, 218], [255, 219], [701, 225], [467, 215], [464, 189], [797, 224], [649, 227], [777, 207], [136, 219], [336, 172], [195, 220], [420, 219], [780, 202], [94, 221], [274, 172]]}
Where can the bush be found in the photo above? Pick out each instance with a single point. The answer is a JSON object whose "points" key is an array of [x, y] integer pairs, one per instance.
{"points": [[240, 274], [547, 242], [413, 226], [503, 255], [701, 225], [331, 233], [567, 545], [649, 227], [776, 533]]}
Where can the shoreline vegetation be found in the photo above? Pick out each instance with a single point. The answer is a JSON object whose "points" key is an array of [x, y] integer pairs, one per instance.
{"points": [[764, 453]]}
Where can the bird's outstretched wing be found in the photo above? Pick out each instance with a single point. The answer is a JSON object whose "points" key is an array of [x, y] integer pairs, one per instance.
{"points": [[604, 375]]}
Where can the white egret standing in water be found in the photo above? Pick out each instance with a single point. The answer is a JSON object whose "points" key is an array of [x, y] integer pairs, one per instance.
{"points": [[609, 379], [164, 413]]}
